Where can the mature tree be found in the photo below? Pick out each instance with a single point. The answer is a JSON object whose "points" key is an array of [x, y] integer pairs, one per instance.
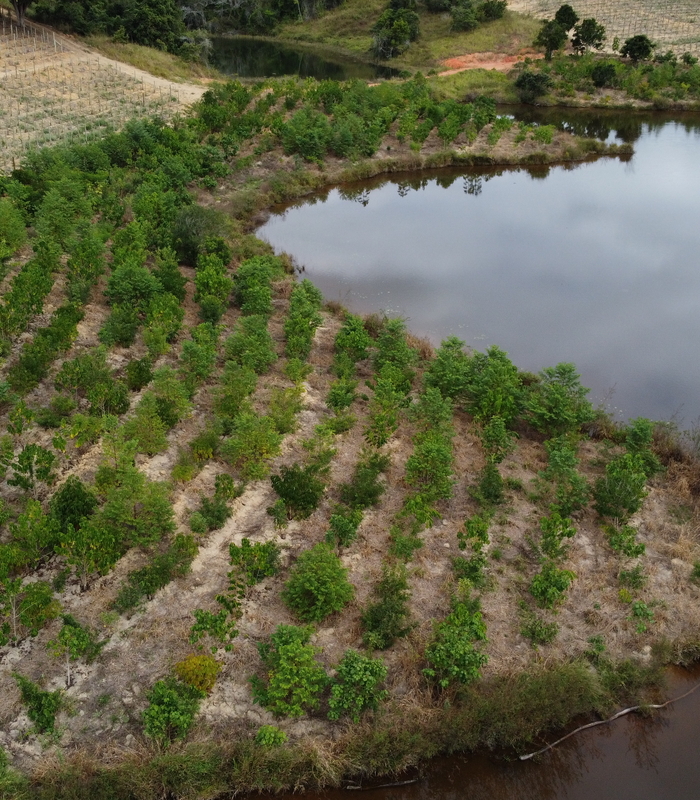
{"points": [[588, 34], [531, 85], [566, 17], [638, 48], [551, 37], [20, 7]]}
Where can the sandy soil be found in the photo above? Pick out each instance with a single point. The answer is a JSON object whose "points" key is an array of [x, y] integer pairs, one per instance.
{"points": [[490, 61]]}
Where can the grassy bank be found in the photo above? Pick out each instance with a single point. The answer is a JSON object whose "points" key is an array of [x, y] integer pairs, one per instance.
{"points": [[156, 62], [507, 713], [349, 27]]}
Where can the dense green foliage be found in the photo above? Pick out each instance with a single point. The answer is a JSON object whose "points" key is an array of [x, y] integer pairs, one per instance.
{"points": [[294, 679], [42, 706], [355, 686], [317, 585], [387, 618], [452, 655], [172, 706]]}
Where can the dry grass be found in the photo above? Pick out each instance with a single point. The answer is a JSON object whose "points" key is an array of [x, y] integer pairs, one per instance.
{"points": [[156, 62]]}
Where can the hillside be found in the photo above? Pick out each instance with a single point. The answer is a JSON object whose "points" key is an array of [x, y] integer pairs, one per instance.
{"points": [[251, 540]]}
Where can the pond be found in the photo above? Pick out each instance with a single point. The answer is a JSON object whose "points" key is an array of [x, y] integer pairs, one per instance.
{"points": [[246, 57], [596, 263]]}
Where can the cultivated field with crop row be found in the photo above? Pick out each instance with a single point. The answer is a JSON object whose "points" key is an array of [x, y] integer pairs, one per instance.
{"points": [[53, 90], [671, 24]]}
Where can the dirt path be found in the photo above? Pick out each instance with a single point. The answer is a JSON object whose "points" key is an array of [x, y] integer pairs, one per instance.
{"points": [[497, 61]]}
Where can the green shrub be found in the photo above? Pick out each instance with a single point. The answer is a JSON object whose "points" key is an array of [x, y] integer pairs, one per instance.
{"points": [[317, 585], [294, 678], [58, 409], [341, 394], [387, 619], [217, 625], [557, 403], [72, 503], [12, 230], [365, 490], [138, 373], [198, 671], [285, 404], [172, 707], [642, 614], [489, 491], [300, 489], [193, 227], [633, 578], [308, 133], [531, 85], [237, 383], [623, 539], [355, 688], [251, 345], [621, 491], [464, 16], [404, 543], [550, 585], [164, 567], [470, 569], [270, 736], [215, 512], [120, 327], [131, 285], [449, 370], [452, 656], [497, 440], [537, 630], [343, 526], [429, 469], [302, 320], [253, 441], [639, 436], [352, 339], [168, 273], [73, 642], [555, 529], [493, 386], [42, 707], [257, 561]]}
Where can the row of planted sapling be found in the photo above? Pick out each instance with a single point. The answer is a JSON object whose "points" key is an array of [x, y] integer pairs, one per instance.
{"points": [[166, 311]]}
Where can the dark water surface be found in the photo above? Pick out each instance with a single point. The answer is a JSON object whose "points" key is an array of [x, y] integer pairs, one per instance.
{"points": [[598, 264], [258, 58], [633, 758]]}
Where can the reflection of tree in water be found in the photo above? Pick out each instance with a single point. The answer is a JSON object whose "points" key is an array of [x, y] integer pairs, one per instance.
{"points": [[627, 127], [473, 184], [358, 194], [642, 733]]}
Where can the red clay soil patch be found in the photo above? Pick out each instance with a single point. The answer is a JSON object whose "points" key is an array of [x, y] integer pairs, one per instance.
{"points": [[497, 61]]}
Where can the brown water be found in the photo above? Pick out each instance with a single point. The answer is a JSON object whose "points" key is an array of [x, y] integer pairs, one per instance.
{"points": [[598, 264], [634, 758]]}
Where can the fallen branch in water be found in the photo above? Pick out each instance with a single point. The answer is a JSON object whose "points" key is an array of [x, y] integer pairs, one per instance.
{"points": [[355, 787], [619, 714]]}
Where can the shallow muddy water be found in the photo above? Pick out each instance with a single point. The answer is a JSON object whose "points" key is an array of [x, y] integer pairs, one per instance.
{"points": [[634, 758], [598, 263], [257, 58]]}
